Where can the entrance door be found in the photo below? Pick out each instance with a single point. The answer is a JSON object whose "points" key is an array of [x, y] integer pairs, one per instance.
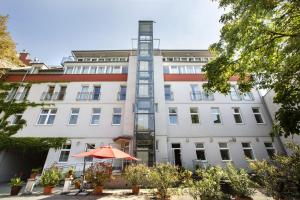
{"points": [[177, 154]]}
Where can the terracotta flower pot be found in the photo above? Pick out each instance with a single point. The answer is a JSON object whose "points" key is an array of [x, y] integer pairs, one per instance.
{"points": [[48, 190], [243, 198], [15, 190], [98, 190], [77, 185], [135, 189], [33, 175]]}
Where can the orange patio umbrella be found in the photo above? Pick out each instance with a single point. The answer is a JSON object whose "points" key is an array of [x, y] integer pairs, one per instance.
{"points": [[106, 152]]}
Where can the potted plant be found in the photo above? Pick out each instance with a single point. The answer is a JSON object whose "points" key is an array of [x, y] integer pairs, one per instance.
{"points": [[240, 183], [35, 172], [77, 183], [135, 175], [16, 186], [165, 178], [50, 178], [97, 174]]}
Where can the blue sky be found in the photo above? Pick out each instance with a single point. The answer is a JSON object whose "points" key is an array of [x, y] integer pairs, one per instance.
{"points": [[50, 29]]}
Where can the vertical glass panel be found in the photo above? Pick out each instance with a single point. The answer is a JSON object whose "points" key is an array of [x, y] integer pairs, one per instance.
{"points": [[143, 90], [144, 66], [143, 122]]}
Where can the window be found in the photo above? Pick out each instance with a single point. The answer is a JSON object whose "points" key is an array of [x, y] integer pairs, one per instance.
{"points": [[248, 151], [166, 70], [116, 120], [93, 70], [96, 92], [156, 145], [190, 70], [194, 115], [89, 147], [270, 149], [116, 70], [200, 151], [69, 70], [248, 96], [47, 116], [168, 93], [224, 151], [109, 69], [197, 69], [15, 119], [237, 115], [74, 116], [84, 93], [143, 90], [144, 66], [182, 70], [122, 92], [77, 70], [61, 93], [174, 70], [258, 115], [173, 115], [96, 116], [234, 94], [125, 70], [207, 96], [85, 70], [47, 96], [195, 93], [65, 152], [101, 70], [216, 115]]}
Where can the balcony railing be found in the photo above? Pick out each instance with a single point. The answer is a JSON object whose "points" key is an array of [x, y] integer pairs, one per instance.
{"points": [[18, 96], [169, 96], [196, 96], [55, 96], [121, 96], [88, 96]]}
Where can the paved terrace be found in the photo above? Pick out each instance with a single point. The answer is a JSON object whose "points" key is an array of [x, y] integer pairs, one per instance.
{"points": [[109, 194]]}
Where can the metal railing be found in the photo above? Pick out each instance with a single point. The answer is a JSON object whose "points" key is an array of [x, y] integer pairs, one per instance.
{"points": [[55, 96], [196, 96], [88, 96]]}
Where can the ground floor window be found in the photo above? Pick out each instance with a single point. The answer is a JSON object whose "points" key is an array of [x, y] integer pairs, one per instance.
{"points": [[200, 152], [177, 154], [270, 149], [224, 151], [65, 152], [248, 151], [88, 148]]}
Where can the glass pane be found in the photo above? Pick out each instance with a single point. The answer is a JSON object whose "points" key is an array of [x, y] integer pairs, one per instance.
{"points": [[53, 111], [172, 110], [236, 110], [124, 70], [64, 155], [143, 107], [200, 154], [225, 154], [143, 90], [51, 119], [143, 122], [199, 145], [73, 119], [75, 110], [85, 70], [195, 119], [238, 118], [216, 118], [96, 110], [144, 66], [176, 145], [255, 110], [271, 152], [268, 144], [101, 70], [45, 111], [223, 145], [215, 110], [166, 70], [258, 118], [117, 110], [42, 119], [246, 145], [117, 119], [194, 110], [173, 119], [95, 119], [93, 70], [69, 70], [249, 154]]}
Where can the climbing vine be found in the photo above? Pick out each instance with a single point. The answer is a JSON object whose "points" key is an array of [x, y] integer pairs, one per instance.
{"points": [[9, 107]]}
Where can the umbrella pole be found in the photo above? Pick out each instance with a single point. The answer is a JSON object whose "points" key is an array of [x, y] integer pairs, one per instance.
{"points": [[82, 178]]}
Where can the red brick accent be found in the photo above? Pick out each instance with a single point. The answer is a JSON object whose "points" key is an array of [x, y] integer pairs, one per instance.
{"points": [[65, 77], [189, 77]]}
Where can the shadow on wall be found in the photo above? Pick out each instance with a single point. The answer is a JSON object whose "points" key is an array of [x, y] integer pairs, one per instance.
{"points": [[19, 163]]}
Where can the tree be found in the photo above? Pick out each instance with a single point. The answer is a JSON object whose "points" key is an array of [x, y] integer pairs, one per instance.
{"points": [[9, 108], [260, 43], [8, 54]]}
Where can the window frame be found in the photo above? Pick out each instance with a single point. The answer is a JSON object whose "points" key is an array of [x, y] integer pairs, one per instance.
{"points": [[214, 113], [95, 114], [72, 114], [47, 116], [225, 148], [258, 113], [270, 148], [248, 148], [69, 143], [116, 114], [200, 149], [173, 114], [239, 113], [196, 114]]}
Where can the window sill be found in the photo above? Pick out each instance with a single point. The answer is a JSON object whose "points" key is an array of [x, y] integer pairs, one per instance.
{"points": [[116, 124]]}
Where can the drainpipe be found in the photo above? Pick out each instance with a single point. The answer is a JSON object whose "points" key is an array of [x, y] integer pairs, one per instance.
{"points": [[270, 117]]}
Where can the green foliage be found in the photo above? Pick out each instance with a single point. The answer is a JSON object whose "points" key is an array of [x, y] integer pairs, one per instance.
{"points": [[240, 181], [8, 53], [259, 43], [208, 186], [135, 174], [281, 176], [164, 177], [7, 131], [15, 182], [98, 174], [51, 176]]}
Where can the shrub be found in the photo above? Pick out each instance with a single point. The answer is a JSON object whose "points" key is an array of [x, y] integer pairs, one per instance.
{"points": [[135, 174], [280, 176], [164, 177], [208, 186], [98, 174], [51, 176], [239, 181], [15, 182]]}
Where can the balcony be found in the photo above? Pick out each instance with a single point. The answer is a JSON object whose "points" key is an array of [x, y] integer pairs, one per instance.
{"points": [[55, 96], [18, 96], [121, 96], [88, 96], [196, 96], [169, 96]]}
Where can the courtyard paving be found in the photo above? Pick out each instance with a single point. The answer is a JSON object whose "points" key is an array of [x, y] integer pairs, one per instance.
{"points": [[109, 194]]}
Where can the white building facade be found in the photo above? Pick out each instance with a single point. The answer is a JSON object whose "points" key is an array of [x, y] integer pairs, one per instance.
{"points": [[91, 100]]}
